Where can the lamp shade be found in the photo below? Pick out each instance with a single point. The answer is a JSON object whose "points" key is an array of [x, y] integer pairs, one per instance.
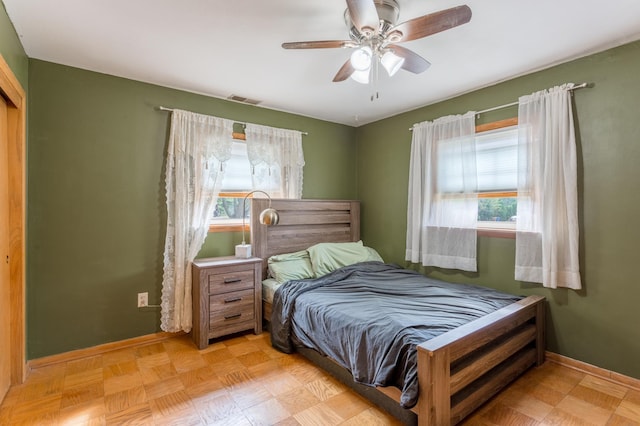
{"points": [[269, 216], [361, 76], [391, 62], [361, 58]]}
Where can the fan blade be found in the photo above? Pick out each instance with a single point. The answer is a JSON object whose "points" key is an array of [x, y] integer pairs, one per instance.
{"points": [[412, 61], [321, 44], [433, 23], [344, 72], [364, 15]]}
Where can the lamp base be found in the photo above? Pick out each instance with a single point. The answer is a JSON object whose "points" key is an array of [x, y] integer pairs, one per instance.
{"points": [[243, 251]]}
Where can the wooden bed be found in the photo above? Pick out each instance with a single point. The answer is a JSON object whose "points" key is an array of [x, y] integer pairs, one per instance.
{"points": [[457, 371]]}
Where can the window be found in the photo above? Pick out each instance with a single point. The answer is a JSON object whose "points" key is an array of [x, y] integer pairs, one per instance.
{"points": [[495, 175], [497, 165], [227, 215], [275, 168]]}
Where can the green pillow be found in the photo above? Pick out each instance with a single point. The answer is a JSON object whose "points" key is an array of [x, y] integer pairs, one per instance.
{"points": [[290, 266], [373, 255], [327, 257]]}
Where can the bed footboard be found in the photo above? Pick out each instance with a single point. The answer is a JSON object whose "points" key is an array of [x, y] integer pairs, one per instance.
{"points": [[461, 369]]}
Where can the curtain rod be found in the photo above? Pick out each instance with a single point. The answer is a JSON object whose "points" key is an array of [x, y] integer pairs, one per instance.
{"points": [[161, 108], [577, 86]]}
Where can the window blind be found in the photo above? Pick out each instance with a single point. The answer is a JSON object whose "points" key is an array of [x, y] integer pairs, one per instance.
{"points": [[496, 159]]}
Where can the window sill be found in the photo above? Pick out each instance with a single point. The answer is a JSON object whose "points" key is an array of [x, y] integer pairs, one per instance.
{"points": [[497, 233], [228, 227]]}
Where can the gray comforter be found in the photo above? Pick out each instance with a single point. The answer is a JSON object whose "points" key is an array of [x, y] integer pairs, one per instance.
{"points": [[370, 316]]}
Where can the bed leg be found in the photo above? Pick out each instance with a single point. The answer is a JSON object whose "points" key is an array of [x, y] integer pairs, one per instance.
{"points": [[434, 403], [424, 388]]}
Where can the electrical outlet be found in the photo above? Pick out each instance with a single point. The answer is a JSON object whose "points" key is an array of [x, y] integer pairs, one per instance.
{"points": [[143, 300]]}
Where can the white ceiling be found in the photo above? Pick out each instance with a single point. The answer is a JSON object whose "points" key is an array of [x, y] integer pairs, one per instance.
{"points": [[220, 48]]}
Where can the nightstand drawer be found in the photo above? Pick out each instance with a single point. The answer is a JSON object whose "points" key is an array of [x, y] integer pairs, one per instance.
{"points": [[232, 300], [230, 315], [231, 281]]}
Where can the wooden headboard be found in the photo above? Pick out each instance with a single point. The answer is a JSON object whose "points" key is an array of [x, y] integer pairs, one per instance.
{"points": [[303, 223]]}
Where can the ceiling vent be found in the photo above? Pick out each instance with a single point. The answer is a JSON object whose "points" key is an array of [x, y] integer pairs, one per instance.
{"points": [[243, 100]]}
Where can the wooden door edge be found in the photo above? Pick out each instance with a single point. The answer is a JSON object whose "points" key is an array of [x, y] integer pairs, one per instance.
{"points": [[16, 128]]}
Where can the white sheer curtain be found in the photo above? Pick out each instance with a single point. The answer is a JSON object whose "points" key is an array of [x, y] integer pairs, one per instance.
{"points": [[442, 211], [547, 225], [199, 146], [276, 160]]}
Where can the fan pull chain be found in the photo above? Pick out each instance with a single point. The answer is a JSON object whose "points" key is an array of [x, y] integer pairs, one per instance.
{"points": [[375, 82]]}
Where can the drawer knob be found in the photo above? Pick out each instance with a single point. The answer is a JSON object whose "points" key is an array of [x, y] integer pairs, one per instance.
{"points": [[228, 317], [232, 299], [232, 280]]}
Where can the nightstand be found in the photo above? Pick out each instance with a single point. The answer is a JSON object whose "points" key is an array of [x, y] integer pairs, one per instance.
{"points": [[227, 297]]}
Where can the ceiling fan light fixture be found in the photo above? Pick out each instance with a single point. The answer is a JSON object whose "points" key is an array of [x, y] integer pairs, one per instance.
{"points": [[361, 58], [374, 34], [391, 62], [361, 76]]}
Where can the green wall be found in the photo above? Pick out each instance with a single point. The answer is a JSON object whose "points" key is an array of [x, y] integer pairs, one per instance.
{"points": [[96, 205], [11, 49], [598, 325]]}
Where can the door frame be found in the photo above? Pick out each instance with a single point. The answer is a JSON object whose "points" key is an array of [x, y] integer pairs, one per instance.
{"points": [[14, 94]]}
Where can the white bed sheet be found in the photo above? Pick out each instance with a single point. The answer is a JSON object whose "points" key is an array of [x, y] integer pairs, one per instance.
{"points": [[269, 287]]}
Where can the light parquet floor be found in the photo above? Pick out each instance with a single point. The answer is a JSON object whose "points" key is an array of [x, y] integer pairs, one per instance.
{"points": [[243, 381]]}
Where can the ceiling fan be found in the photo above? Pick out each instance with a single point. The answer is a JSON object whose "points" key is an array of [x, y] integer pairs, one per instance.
{"points": [[374, 33]]}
